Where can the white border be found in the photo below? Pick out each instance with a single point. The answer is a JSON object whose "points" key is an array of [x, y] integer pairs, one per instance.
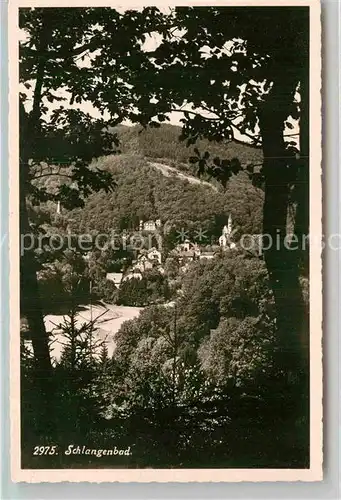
{"points": [[314, 473]]}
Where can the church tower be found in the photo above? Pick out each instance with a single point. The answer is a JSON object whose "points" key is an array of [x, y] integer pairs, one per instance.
{"points": [[229, 225], [224, 240]]}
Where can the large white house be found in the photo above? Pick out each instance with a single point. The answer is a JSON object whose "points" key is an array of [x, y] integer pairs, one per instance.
{"points": [[150, 225], [188, 249], [148, 260], [143, 264], [154, 255]]}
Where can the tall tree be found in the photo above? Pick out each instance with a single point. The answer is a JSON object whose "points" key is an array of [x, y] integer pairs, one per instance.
{"points": [[246, 70], [227, 69], [57, 73]]}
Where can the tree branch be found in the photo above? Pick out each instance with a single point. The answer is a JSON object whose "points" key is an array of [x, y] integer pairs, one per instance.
{"points": [[52, 174], [254, 138]]}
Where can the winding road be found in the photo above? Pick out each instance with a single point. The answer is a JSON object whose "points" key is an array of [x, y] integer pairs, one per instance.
{"points": [[169, 171], [109, 319]]}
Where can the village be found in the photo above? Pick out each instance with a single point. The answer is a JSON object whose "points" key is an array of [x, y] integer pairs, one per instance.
{"points": [[162, 165], [185, 252]]}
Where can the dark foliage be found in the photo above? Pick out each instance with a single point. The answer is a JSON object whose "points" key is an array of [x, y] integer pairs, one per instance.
{"points": [[221, 375]]}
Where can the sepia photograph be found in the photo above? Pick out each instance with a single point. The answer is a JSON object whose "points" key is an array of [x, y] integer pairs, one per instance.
{"points": [[166, 287]]}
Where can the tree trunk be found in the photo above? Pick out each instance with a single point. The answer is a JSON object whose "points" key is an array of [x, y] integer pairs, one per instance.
{"points": [[30, 299], [302, 199], [281, 261], [30, 302]]}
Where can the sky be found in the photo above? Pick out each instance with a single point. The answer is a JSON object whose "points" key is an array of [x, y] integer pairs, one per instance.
{"points": [[151, 43]]}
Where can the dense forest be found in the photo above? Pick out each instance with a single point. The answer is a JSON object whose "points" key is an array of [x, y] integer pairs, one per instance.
{"points": [[163, 142], [182, 378], [143, 193], [203, 359], [214, 350]]}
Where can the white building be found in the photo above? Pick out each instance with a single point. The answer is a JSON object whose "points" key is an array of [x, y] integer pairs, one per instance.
{"points": [[133, 274], [225, 238], [143, 264], [154, 255], [207, 255], [150, 225], [188, 247]]}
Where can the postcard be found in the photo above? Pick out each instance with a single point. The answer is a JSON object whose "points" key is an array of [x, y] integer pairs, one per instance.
{"points": [[165, 241]]}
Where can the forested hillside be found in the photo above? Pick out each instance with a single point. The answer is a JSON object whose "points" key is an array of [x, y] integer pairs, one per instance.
{"points": [[190, 349], [163, 142], [142, 192]]}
